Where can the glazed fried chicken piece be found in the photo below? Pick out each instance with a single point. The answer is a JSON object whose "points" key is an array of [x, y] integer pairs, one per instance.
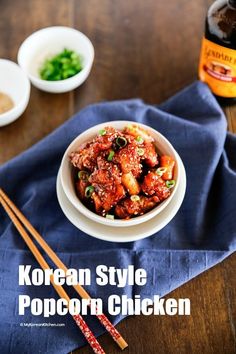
{"points": [[81, 185], [86, 156], [130, 183], [138, 131], [155, 185], [129, 159], [150, 156], [168, 163], [108, 190], [140, 151], [128, 208], [104, 142]]}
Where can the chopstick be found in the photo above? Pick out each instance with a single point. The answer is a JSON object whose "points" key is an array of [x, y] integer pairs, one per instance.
{"points": [[52, 255], [92, 341]]}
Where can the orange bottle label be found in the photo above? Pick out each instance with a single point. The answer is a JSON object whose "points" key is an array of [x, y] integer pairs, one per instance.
{"points": [[217, 68]]}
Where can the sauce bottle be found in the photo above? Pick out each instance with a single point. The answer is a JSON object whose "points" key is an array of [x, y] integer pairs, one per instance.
{"points": [[217, 66]]}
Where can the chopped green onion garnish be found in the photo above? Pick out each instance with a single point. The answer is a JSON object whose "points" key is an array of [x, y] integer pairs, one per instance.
{"points": [[111, 155], [89, 191], [83, 175], [170, 184], [109, 216], [102, 132], [140, 152], [61, 66], [121, 141], [139, 139], [134, 198], [161, 170]]}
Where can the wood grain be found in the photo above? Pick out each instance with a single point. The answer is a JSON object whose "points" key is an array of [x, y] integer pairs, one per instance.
{"points": [[210, 329], [146, 49]]}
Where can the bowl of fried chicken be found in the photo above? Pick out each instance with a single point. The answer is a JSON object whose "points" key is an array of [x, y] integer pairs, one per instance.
{"points": [[120, 173]]}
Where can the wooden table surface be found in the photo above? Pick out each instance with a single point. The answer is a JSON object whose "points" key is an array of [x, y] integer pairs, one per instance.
{"points": [[147, 49]]}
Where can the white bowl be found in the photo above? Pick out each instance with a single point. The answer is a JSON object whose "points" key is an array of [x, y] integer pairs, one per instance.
{"points": [[48, 42], [124, 234], [67, 180], [13, 82]]}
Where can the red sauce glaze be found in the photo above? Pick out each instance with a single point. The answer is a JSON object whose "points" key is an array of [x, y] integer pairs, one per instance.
{"points": [[128, 208], [129, 159], [116, 172], [155, 185]]}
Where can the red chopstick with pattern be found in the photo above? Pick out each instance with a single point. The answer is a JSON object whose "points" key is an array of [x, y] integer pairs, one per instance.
{"points": [[52, 255]]}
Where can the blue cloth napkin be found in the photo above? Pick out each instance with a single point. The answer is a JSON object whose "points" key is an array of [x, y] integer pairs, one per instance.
{"points": [[201, 235]]}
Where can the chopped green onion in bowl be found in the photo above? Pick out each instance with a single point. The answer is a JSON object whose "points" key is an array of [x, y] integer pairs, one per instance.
{"points": [[102, 132], [111, 155], [89, 191], [121, 141], [61, 66], [160, 171], [141, 152], [170, 183], [83, 175], [134, 198], [139, 139]]}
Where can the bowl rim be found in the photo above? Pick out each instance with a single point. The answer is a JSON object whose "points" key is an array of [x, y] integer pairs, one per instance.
{"points": [[69, 80], [73, 198], [25, 97]]}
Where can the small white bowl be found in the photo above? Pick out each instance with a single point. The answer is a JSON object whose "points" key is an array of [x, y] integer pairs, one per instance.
{"points": [[164, 147], [48, 42], [15, 83]]}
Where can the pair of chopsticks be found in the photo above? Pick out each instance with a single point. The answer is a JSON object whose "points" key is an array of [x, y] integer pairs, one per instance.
{"points": [[22, 224]]}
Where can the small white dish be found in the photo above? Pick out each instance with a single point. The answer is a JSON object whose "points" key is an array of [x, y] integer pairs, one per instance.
{"points": [[48, 42], [163, 146], [124, 234], [15, 83]]}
